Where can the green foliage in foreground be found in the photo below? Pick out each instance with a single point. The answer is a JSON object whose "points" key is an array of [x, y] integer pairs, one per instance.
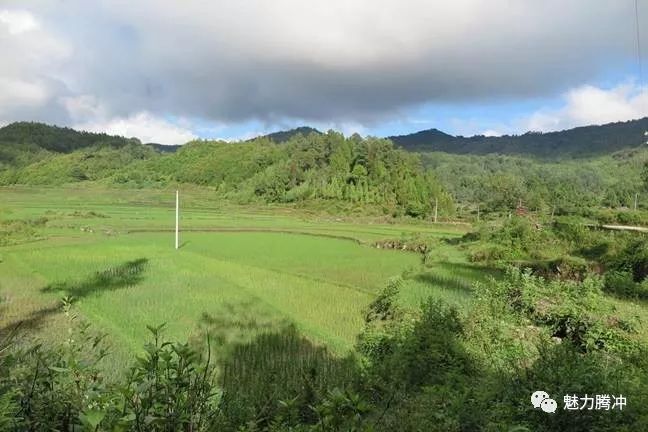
{"points": [[433, 370]]}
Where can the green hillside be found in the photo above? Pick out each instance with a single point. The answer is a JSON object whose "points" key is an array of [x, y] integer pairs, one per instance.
{"points": [[352, 172], [337, 173], [283, 136], [23, 143]]}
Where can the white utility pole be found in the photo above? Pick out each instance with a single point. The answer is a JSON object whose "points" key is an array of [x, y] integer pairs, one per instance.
{"points": [[177, 217], [436, 209]]}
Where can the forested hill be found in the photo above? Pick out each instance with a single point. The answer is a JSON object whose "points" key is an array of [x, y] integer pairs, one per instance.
{"points": [[24, 143], [283, 136], [56, 139], [578, 142], [330, 169]]}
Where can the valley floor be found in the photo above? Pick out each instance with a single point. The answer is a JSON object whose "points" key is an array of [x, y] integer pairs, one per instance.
{"points": [[239, 270]]}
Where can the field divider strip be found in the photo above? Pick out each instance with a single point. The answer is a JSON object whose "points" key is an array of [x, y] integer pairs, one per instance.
{"points": [[250, 230], [297, 275]]}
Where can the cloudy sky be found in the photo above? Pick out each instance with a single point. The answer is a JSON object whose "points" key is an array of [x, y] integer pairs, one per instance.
{"points": [[168, 71]]}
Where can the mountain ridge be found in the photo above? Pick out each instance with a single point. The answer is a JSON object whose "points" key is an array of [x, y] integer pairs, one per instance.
{"points": [[591, 140], [582, 141]]}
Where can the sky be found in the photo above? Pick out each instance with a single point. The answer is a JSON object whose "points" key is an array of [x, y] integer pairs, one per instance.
{"points": [[170, 71]]}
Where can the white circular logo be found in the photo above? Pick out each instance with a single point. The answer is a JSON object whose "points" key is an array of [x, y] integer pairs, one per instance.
{"points": [[540, 399]]}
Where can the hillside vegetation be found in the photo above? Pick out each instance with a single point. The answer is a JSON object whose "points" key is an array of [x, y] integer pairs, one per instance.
{"points": [[352, 171], [501, 182], [330, 171]]}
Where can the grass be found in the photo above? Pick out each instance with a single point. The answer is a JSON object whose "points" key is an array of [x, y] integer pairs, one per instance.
{"points": [[240, 272]]}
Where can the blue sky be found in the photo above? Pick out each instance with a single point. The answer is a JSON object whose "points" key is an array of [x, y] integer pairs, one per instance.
{"points": [[168, 72]]}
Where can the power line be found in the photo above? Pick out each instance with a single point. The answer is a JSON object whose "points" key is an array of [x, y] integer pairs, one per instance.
{"points": [[636, 7], [639, 59]]}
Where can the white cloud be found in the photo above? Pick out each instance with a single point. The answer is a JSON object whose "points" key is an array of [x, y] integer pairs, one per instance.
{"points": [[18, 21], [588, 104], [83, 107], [339, 62], [142, 125], [30, 68], [15, 93], [491, 133]]}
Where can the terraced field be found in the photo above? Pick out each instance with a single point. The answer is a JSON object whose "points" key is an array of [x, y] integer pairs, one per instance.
{"points": [[239, 270]]}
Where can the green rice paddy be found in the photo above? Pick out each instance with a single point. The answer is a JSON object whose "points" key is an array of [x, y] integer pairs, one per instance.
{"points": [[239, 270]]}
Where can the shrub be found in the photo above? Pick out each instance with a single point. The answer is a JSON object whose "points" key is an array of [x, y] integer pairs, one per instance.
{"points": [[622, 284], [633, 258], [573, 311], [490, 253], [169, 388], [63, 387]]}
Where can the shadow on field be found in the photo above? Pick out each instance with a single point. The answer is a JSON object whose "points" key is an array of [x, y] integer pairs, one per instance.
{"points": [[450, 282], [237, 322], [264, 360], [33, 321], [121, 276], [471, 270], [277, 366]]}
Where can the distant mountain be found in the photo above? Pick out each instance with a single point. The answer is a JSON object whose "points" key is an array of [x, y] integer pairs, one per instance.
{"points": [[283, 136], [21, 142], [578, 142]]}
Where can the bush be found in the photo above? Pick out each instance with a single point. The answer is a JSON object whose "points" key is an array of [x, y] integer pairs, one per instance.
{"points": [[490, 253], [518, 238], [622, 284], [63, 387], [565, 268], [632, 258], [574, 311]]}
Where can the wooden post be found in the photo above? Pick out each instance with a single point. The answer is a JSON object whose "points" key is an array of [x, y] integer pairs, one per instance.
{"points": [[635, 202], [436, 209], [177, 218], [477, 212]]}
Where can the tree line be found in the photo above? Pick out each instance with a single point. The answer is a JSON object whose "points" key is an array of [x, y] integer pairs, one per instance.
{"points": [[332, 172]]}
